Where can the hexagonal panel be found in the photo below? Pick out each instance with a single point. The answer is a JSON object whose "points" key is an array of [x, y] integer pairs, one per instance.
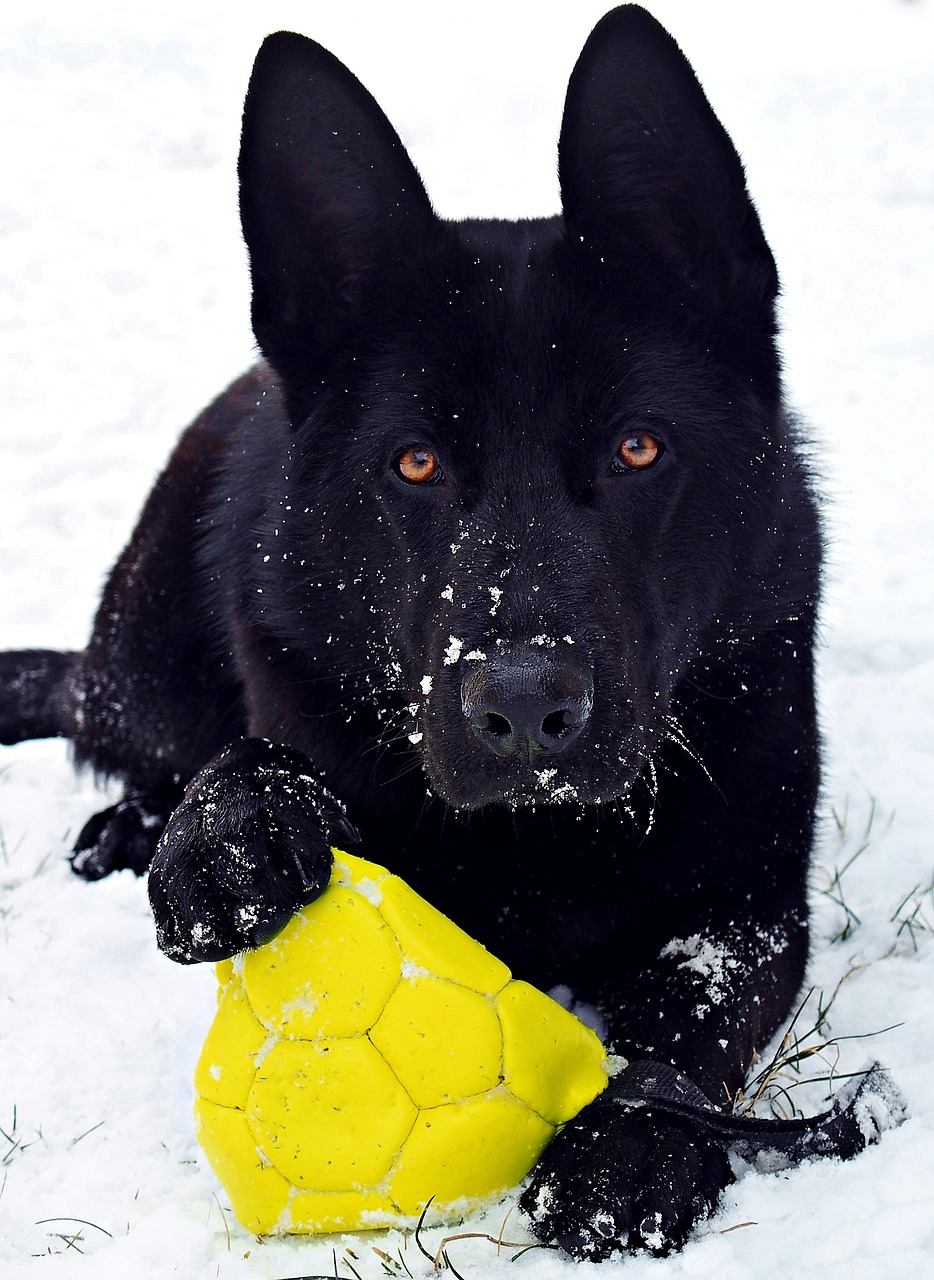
{"points": [[435, 943], [319, 1211], [442, 1040], [330, 1116], [329, 972], [258, 1192], [227, 1062], [467, 1150], [359, 873], [550, 1059]]}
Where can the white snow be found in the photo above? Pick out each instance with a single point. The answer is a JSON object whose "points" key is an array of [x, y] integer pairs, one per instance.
{"points": [[124, 308], [710, 960], [453, 652]]}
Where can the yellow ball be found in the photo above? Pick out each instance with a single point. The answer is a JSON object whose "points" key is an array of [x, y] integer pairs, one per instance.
{"points": [[374, 1057]]}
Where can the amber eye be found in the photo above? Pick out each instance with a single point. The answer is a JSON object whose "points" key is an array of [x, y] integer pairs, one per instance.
{"points": [[638, 451], [418, 465]]}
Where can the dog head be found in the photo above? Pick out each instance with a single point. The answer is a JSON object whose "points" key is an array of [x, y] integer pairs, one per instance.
{"points": [[538, 470]]}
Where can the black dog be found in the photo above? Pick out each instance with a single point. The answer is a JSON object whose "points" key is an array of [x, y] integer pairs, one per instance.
{"points": [[505, 563]]}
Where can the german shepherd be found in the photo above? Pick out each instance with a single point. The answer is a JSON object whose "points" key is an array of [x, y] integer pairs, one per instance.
{"points": [[503, 563]]}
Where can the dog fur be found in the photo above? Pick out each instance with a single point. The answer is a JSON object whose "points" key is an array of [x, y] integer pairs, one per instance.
{"points": [[504, 563]]}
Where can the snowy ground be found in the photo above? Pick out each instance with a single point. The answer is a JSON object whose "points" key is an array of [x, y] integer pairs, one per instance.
{"points": [[123, 307]]}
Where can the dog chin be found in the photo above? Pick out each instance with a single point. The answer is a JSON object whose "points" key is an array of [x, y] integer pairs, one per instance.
{"points": [[546, 784]]}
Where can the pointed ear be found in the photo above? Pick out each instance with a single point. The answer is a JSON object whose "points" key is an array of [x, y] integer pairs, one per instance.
{"points": [[646, 167], [329, 201]]}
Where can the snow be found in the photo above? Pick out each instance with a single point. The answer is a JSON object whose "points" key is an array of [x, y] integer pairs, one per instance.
{"points": [[123, 308]]}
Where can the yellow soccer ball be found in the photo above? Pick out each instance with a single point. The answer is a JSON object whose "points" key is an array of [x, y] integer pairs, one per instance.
{"points": [[374, 1057]]}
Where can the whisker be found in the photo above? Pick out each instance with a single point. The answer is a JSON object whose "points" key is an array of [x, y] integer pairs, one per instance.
{"points": [[653, 794], [675, 733]]}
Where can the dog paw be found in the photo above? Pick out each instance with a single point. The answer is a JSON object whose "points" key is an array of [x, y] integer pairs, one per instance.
{"points": [[121, 838], [616, 1179], [247, 846]]}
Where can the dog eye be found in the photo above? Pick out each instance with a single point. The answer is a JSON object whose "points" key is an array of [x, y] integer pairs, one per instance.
{"points": [[418, 465], [638, 451]]}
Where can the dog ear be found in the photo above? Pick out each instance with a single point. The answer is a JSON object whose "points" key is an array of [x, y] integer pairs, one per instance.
{"points": [[647, 169], [330, 202]]}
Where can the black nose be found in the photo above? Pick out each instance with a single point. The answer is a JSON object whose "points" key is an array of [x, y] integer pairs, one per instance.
{"points": [[525, 706]]}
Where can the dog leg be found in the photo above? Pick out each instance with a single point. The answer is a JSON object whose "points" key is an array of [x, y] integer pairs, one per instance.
{"points": [[248, 845], [123, 837]]}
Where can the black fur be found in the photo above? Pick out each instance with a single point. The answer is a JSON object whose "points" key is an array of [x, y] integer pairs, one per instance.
{"points": [[572, 703]]}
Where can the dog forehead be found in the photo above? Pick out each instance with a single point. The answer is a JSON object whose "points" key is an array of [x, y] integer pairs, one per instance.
{"points": [[504, 337], [517, 309]]}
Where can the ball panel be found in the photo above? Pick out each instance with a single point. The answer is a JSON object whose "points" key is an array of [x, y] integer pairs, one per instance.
{"points": [[359, 873], [442, 1040], [330, 1116], [467, 1151], [258, 1193], [434, 943], [330, 971], [319, 1211], [227, 1062], [551, 1061]]}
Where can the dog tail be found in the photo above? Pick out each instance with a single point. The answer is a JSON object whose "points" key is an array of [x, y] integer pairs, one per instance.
{"points": [[37, 694]]}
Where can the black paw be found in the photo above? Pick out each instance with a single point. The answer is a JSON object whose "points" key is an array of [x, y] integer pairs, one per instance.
{"points": [[121, 838], [248, 845], [617, 1179]]}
